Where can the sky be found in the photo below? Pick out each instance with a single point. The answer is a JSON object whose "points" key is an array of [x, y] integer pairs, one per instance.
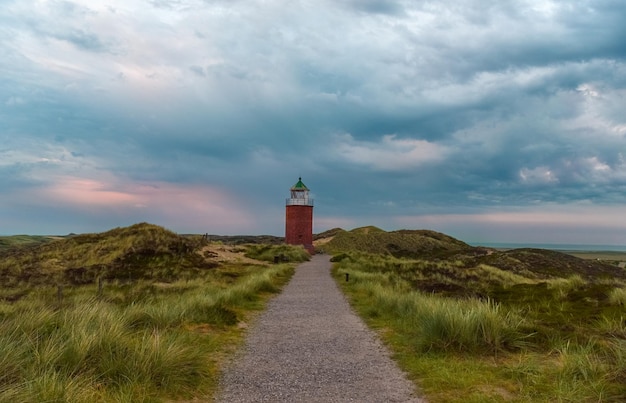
{"points": [[488, 120]]}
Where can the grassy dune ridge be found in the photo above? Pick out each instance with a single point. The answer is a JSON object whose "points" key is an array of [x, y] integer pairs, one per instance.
{"points": [[137, 252], [159, 329], [402, 243], [482, 325]]}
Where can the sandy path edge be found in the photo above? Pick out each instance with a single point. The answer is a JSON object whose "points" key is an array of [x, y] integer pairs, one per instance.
{"points": [[309, 346]]}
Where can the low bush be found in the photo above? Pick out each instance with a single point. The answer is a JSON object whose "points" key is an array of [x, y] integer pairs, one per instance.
{"points": [[564, 286], [282, 253], [441, 324], [617, 296]]}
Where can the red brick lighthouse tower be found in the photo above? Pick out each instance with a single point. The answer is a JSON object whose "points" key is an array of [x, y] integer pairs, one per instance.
{"points": [[299, 217]]}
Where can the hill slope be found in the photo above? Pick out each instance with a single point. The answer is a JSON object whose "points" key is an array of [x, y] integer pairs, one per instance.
{"points": [[139, 251], [402, 243], [431, 245], [545, 264]]}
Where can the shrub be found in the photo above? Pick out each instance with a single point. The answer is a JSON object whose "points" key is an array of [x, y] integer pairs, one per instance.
{"points": [[562, 287], [617, 296], [438, 323], [470, 325], [268, 253]]}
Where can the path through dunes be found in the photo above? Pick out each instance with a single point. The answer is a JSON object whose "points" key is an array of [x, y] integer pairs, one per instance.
{"points": [[309, 346]]}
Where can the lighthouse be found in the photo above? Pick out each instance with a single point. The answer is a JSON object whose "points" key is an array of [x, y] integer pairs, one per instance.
{"points": [[299, 217]]}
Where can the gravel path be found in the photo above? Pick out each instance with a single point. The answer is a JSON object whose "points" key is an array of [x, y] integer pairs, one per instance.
{"points": [[310, 347]]}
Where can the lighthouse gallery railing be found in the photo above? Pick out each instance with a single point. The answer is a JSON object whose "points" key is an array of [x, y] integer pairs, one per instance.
{"points": [[299, 202]]}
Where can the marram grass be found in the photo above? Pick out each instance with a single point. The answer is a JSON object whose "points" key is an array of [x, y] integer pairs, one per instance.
{"points": [[135, 342], [440, 324], [536, 340], [618, 296]]}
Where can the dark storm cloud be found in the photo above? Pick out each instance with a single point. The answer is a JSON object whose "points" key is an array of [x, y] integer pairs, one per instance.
{"points": [[83, 40], [386, 108], [377, 6]]}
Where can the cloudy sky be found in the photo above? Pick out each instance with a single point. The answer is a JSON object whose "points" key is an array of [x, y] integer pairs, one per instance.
{"points": [[488, 120]]}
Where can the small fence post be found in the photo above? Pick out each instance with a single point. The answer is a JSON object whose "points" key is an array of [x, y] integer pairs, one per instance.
{"points": [[347, 277], [99, 287]]}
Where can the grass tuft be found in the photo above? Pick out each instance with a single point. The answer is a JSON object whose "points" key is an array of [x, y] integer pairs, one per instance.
{"points": [[617, 296]]}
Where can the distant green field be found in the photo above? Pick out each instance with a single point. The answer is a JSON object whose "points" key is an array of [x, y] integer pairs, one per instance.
{"points": [[14, 240], [610, 256]]}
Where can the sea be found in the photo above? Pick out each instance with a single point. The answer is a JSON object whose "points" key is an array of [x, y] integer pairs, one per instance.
{"points": [[553, 246]]}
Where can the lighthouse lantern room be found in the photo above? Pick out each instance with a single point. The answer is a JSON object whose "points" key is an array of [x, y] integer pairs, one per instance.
{"points": [[299, 217]]}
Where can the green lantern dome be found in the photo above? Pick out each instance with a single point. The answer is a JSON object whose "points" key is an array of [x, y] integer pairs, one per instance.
{"points": [[299, 185]]}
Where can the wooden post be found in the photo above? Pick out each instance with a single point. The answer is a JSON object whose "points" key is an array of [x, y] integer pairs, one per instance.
{"points": [[347, 277]]}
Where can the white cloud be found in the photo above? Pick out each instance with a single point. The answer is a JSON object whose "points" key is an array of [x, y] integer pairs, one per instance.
{"points": [[538, 175], [597, 165], [389, 154]]}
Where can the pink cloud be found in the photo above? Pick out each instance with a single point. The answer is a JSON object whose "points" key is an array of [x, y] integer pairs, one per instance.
{"points": [[576, 223], [86, 192], [592, 216], [188, 207]]}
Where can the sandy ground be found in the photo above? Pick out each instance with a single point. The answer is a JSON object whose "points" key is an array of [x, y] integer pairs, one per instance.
{"points": [[227, 254]]}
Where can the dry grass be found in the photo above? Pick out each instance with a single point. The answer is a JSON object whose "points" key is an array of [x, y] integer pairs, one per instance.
{"points": [[160, 334], [222, 253]]}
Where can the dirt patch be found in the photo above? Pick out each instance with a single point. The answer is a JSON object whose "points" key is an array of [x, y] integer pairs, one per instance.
{"points": [[227, 254], [321, 242]]}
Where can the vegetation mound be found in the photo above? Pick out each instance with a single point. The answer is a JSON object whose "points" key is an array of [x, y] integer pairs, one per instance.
{"points": [[402, 243], [370, 229], [129, 253], [535, 264], [327, 234]]}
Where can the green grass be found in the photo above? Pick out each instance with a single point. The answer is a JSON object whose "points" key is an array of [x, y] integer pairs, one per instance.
{"points": [[141, 251], [478, 333], [162, 336], [160, 345], [7, 242], [618, 296]]}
